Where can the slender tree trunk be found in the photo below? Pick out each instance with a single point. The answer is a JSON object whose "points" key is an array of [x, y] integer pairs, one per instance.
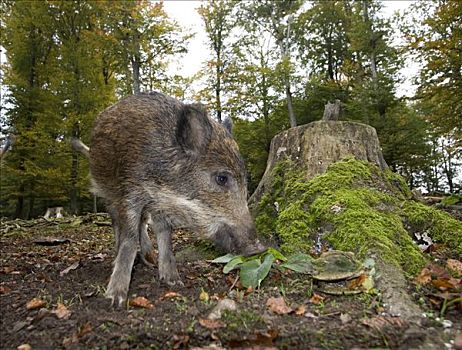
{"points": [[136, 64], [290, 109], [19, 202], [373, 58], [218, 92], [73, 205], [30, 207], [95, 204], [447, 167]]}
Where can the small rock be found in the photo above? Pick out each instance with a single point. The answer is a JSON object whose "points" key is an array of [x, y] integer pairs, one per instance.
{"points": [[224, 304], [446, 324], [24, 347], [19, 325], [345, 318]]}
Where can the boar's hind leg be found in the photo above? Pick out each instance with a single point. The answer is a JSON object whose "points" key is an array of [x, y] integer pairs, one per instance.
{"points": [[128, 235], [147, 250], [168, 272]]}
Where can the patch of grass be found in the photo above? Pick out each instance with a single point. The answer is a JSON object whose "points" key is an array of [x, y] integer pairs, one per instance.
{"points": [[181, 304], [240, 320], [107, 326]]}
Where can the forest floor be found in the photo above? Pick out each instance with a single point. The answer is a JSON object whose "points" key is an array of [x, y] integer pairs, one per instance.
{"points": [[53, 276]]}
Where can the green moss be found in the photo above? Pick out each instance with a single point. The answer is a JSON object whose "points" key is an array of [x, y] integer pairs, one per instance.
{"points": [[440, 226], [266, 220], [356, 207], [294, 228], [452, 200]]}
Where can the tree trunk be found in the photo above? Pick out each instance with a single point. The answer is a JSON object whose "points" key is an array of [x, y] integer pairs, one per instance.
{"points": [[136, 64], [332, 111], [290, 109], [299, 214], [73, 205], [218, 90], [316, 145], [18, 212]]}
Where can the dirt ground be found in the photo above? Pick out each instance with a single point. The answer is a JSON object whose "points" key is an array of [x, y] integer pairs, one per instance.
{"points": [[67, 278]]}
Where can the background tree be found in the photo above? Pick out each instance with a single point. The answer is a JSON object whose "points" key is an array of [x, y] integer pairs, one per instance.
{"points": [[433, 33], [436, 41], [29, 48], [276, 19], [66, 61], [219, 21]]}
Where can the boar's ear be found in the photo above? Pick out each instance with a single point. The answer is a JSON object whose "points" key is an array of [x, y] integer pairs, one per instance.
{"points": [[193, 130], [228, 124]]}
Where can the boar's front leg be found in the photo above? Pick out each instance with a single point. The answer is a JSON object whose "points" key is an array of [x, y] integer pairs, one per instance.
{"points": [[168, 272], [128, 222]]}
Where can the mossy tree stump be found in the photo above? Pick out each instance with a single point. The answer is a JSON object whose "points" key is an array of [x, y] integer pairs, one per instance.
{"points": [[315, 146], [328, 181]]}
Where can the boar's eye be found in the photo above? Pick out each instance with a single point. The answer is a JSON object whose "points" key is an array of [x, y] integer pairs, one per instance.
{"points": [[221, 179]]}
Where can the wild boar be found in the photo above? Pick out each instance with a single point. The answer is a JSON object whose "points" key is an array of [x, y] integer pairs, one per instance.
{"points": [[157, 160]]}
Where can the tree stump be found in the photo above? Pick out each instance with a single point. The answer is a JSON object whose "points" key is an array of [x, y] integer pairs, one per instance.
{"points": [[327, 184], [332, 111], [314, 146]]}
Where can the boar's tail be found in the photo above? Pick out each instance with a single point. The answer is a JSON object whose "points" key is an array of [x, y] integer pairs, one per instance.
{"points": [[80, 146]]}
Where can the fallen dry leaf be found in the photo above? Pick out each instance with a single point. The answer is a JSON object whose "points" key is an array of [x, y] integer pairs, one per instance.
{"points": [[10, 270], [83, 330], [357, 282], [278, 305], [431, 272], [455, 265], [316, 299], [424, 277], [61, 312], [180, 341], [72, 267], [445, 283], [35, 303], [141, 302], [171, 295], [300, 310], [4, 290], [257, 341], [210, 324]]}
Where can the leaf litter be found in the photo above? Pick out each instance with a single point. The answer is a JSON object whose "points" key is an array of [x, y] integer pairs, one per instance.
{"points": [[178, 316]]}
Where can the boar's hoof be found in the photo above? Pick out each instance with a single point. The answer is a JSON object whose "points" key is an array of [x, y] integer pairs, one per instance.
{"points": [[172, 279], [118, 296], [176, 283]]}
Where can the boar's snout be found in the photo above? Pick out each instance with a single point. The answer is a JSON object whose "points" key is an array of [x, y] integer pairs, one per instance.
{"points": [[243, 241]]}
